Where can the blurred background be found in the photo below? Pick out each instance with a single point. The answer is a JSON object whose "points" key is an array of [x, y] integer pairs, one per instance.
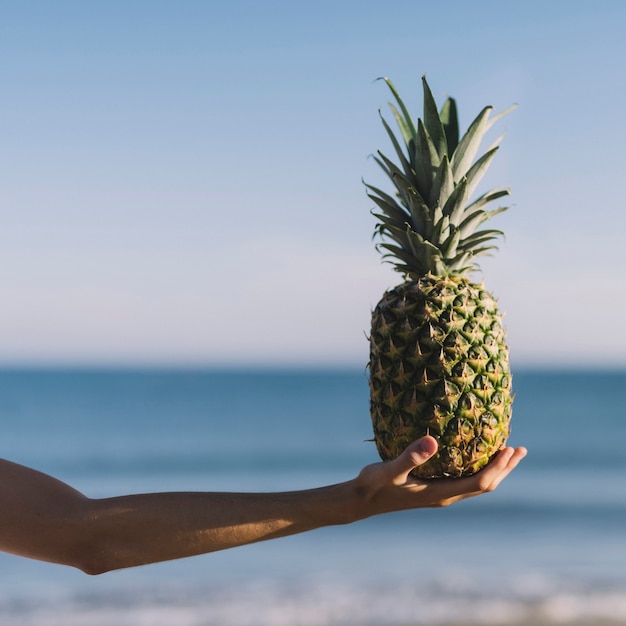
{"points": [[182, 183], [187, 275]]}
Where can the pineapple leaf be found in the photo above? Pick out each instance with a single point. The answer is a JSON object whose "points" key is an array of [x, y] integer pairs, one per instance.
{"points": [[500, 115], [398, 235], [473, 221], [486, 198], [405, 131], [401, 157], [428, 222], [497, 142], [450, 245], [405, 121], [410, 197], [430, 156], [441, 231], [386, 202], [426, 159], [436, 215], [450, 120], [416, 207], [470, 142], [432, 121], [484, 251], [443, 184], [455, 206], [430, 254], [494, 212], [382, 165], [414, 242], [461, 262], [396, 252], [438, 267], [388, 219], [478, 238], [420, 215], [403, 185], [470, 224], [478, 169]]}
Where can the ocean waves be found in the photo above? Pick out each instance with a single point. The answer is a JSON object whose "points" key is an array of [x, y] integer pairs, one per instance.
{"points": [[548, 547], [451, 598]]}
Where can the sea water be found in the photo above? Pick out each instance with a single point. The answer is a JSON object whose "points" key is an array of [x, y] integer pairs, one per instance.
{"points": [[548, 546]]}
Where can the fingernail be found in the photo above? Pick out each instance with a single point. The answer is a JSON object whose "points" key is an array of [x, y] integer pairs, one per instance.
{"points": [[427, 445]]}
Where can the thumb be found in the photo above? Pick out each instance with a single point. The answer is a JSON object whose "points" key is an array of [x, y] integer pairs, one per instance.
{"points": [[414, 455]]}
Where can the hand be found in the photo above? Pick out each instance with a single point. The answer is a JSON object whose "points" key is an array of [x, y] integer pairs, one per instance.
{"points": [[388, 486]]}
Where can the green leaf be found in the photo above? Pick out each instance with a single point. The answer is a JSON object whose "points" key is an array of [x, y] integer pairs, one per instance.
{"points": [[483, 251], [398, 148], [405, 120], [450, 121], [437, 266], [470, 224], [415, 244], [478, 238], [461, 263], [476, 218], [427, 223], [443, 184], [500, 115], [384, 200], [477, 171], [486, 198], [449, 247], [497, 142], [382, 165], [466, 151], [441, 230], [399, 235], [388, 220], [418, 213], [432, 121], [406, 132], [404, 186], [399, 253], [410, 198], [494, 212], [426, 160], [455, 206]]}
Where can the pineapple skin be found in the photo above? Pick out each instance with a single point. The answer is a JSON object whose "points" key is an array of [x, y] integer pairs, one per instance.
{"points": [[439, 365]]}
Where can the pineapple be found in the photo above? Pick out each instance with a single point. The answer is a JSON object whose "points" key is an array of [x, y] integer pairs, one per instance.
{"points": [[438, 355]]}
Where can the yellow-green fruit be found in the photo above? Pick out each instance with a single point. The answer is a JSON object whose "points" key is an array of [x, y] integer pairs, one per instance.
{"points": [[439, 362], [439, 366]]}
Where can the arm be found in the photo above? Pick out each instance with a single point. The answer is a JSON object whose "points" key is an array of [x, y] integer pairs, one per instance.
{"points": [[45, 519]]}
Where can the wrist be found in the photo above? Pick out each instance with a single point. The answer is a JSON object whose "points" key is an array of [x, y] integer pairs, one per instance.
{"points": [[336, 505]]}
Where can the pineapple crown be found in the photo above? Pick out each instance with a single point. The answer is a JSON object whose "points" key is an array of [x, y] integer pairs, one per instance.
{"points": [[430, 226]]}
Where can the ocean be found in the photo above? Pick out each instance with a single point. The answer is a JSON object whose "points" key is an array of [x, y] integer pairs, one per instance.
{"points": [[548, 547]]}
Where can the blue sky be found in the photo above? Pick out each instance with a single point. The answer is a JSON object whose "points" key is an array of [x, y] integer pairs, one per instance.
{"points": [[180, 182]]}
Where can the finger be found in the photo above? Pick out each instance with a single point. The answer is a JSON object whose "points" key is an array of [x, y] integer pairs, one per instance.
{"points": [[502, 466], [487, 479], [492, 475], [414, 455]]}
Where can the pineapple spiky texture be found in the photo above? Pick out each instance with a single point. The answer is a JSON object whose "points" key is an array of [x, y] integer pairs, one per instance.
{"points": [[439, 361]]}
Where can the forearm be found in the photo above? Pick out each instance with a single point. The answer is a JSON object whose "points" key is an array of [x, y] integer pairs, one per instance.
{"points": [[45, 519], [139, 529]]}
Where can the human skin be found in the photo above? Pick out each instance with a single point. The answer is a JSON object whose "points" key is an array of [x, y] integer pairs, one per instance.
{"points": [[45, 519]]}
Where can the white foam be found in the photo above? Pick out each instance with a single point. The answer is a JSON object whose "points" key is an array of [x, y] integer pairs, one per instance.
{"points": [[318, 601]]}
